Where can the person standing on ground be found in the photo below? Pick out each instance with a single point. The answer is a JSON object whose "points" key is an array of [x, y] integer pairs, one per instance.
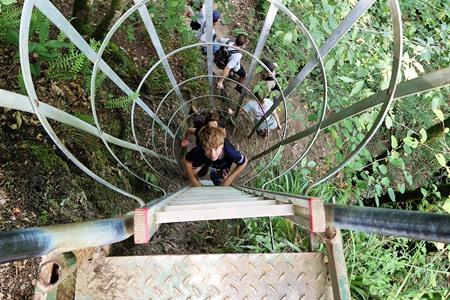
{"points": [[199, 23], [259, 109], [211, 119], [232, 65]]}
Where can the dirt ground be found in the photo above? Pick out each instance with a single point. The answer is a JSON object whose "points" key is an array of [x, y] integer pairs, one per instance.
{"points": [[57, 192], [39, 186]]}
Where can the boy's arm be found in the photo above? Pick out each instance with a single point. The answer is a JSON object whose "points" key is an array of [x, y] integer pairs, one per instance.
{"points": [[188, 132], [226, 72], [236, 172], [189, 172], [277, 119], [185, 141]]}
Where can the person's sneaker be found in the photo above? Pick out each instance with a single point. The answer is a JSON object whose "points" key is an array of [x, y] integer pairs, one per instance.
{"points": [[224, 93], [238, 88], [193, 110], [215, 177]]}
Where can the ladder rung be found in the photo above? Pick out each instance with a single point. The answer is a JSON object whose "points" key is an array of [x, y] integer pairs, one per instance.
{"points": [[226, 213], [207, 197], [207, 201], [211, 188], [219, 205], [215, 193]]}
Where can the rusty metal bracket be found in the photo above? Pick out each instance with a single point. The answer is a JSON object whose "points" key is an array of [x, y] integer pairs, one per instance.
{"points": [[54, 269], [141, 226]]}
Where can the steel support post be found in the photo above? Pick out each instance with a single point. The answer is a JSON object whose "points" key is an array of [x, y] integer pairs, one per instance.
{"points": [[159, 49], [426, 82], [336, 266], [270, 17], [357, 11], [53, 270], [20, 102], [209, 50]]}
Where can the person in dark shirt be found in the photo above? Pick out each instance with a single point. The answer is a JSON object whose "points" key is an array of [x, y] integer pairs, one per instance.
{"points": [[211, 119], [215, 152], [268, 77]]}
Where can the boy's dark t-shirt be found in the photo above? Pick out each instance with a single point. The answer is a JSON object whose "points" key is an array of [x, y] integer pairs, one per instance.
{"points": [[230, 155]]}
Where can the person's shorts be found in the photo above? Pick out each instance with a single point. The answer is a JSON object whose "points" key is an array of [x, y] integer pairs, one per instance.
{"points": [[269, 123], [201, 171], [241, 72], [204, 50], [217, 176]]}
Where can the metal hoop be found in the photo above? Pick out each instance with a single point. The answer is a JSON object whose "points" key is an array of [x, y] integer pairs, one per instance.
{"points": [[29, 86]]}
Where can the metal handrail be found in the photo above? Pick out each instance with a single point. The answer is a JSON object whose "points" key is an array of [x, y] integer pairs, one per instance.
{"points": [[34, 242]]}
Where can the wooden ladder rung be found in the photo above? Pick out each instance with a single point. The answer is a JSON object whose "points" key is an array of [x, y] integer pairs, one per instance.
{"points": [[225, 213], [188, 202], [219, 205]]}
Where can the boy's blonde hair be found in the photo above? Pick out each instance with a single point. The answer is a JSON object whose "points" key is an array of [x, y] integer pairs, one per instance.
{"points": [[211, 137]]}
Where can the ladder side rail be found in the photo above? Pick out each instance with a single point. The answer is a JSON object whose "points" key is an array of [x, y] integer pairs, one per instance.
{"points": [[391, 222], [38, 241]]}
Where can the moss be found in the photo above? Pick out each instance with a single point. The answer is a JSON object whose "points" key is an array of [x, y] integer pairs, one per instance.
{"points": [[114, 127], [87, 118], [48, 158]]}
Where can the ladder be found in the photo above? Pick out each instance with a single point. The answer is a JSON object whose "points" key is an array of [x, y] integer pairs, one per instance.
{"points": [[219, 203], [311, 275], [218, 276]]}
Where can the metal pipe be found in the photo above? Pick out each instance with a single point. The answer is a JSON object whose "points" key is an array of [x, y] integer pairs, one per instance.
{"points": [[57, 18], [426, 82], [357, 11], [145, 16], [35, 242], [268, 22], [392, 222], [209, 49]]}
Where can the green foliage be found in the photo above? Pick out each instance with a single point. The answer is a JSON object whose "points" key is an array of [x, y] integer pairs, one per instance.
{"points": [[74, 64], [41, 47], [69, 65], [122, 102], [9, 20], [265, 235], [395, 268], [47, 157]]}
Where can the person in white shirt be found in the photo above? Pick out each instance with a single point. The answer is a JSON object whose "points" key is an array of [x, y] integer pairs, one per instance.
{"points": [[201, 23], [233, 64], [259, 108]]}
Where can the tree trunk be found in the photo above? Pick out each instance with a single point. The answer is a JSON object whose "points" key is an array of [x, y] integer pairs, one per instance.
{"points": [[410, 196], [105, 23], [80, 13], [433, 133]]}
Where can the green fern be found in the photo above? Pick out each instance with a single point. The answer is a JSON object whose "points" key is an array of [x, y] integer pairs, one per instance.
{"points": [[67, 66], [121, 102], [21, 84], [73, 64], [99, 81], [9, 20]]}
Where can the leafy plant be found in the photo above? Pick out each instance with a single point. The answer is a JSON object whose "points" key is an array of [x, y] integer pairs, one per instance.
{"points": [[122, 102]]}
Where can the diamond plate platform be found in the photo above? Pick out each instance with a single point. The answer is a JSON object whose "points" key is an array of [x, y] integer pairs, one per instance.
{"points": [[213, 276]]}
